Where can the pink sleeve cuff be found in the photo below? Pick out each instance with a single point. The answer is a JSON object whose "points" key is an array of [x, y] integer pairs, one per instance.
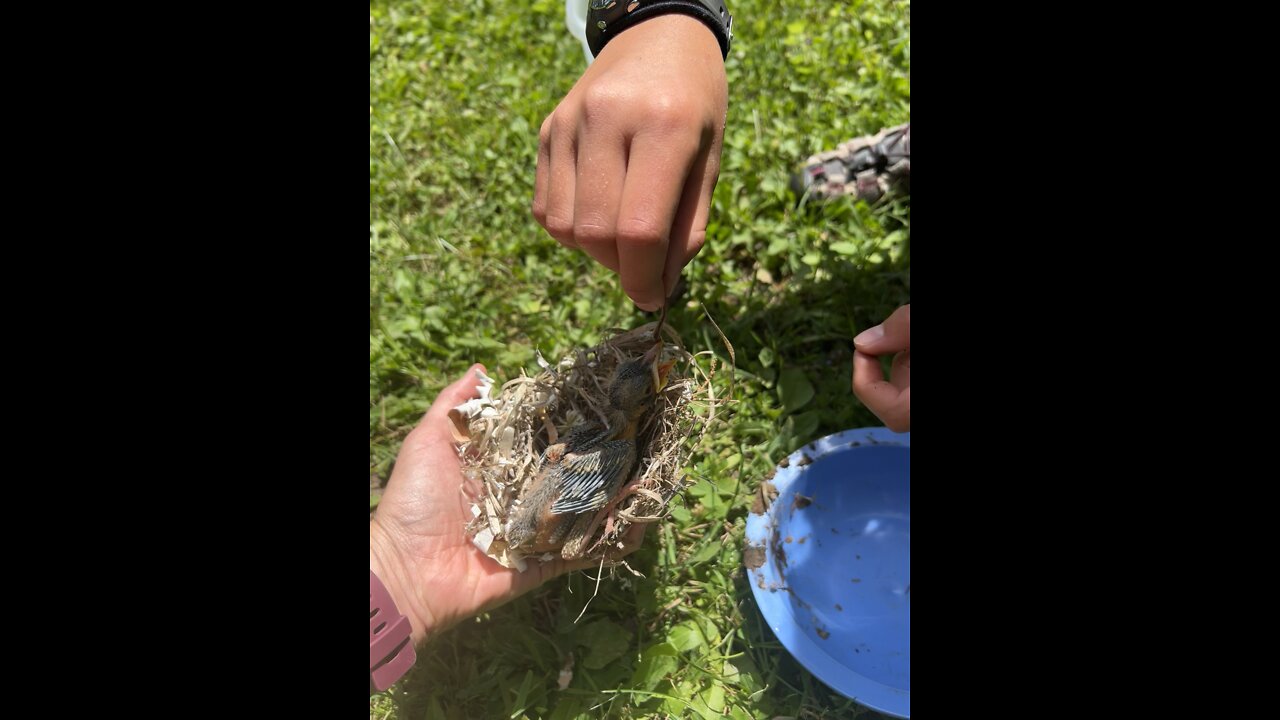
{"points": [[391, 654]]}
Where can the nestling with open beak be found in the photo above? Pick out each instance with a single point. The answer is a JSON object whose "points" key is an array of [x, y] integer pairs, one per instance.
{"points": [[580, 480]]}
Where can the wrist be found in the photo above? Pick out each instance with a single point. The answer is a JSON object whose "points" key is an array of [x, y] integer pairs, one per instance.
{"points": [[386, 563], [608, 19], [679, 34]]}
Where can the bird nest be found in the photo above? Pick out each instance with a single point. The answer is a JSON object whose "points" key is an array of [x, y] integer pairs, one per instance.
{"points": [[501, 437]]}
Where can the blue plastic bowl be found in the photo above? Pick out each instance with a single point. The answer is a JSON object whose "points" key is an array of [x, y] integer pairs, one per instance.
{"points": [[832, 557]]}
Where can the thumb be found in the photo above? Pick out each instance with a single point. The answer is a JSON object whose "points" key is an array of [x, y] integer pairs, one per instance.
{"points": [[891, 336], [459, 392], [434, 426]]}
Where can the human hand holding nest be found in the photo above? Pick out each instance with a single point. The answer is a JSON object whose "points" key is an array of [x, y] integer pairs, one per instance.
{"points": [[418, 544]]}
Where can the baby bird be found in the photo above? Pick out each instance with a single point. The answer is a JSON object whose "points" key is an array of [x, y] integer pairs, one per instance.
{"points": [[583, 474]]}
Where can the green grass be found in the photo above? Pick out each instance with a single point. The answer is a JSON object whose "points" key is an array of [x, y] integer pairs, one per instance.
{"points": [[459, 272]]}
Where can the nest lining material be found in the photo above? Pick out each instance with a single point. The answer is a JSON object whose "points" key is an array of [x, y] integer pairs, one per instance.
{"points": [[500, 438]]}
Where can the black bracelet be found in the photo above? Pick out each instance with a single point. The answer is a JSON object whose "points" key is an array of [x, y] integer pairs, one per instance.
{"points": [[608, 18]]}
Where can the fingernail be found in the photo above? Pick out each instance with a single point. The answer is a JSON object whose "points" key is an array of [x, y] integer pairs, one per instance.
{"points": [[869, 336]]}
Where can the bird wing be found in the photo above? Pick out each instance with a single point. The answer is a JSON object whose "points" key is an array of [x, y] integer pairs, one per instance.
{"points": [[587, 479], [586, 435]]}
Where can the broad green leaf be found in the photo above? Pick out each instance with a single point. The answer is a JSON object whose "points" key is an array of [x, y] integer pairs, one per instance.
{"points": [[710, 702], [605, 643], [806, 423], [706, 553], [686, 636], [794, 389], [656, 662]]}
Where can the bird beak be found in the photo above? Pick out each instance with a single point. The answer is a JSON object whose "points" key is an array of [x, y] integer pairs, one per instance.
{"points": [[660, 370], [660, 375]]}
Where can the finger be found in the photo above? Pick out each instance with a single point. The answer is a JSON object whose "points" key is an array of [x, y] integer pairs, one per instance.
{"points": [[870, 386], [562, 175], [542, 176], [631, 542], [897, 417], [900, 373], [689, 231], [659, 164], [602, 170], [462, 390], [893, 335], [433, 429]]}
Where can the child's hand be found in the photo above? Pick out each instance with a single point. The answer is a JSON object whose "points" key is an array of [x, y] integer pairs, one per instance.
{"points": [[628, 160], [889, 399]]}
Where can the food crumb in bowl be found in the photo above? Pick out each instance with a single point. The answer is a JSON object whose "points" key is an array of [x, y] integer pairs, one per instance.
{"points": [[764, 498]]}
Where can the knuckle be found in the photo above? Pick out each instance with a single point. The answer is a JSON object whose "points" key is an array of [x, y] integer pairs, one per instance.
{"points": [[598, 102], [641, 233], [560, 227], [667, 111], [562, 124], [593, 233]]}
